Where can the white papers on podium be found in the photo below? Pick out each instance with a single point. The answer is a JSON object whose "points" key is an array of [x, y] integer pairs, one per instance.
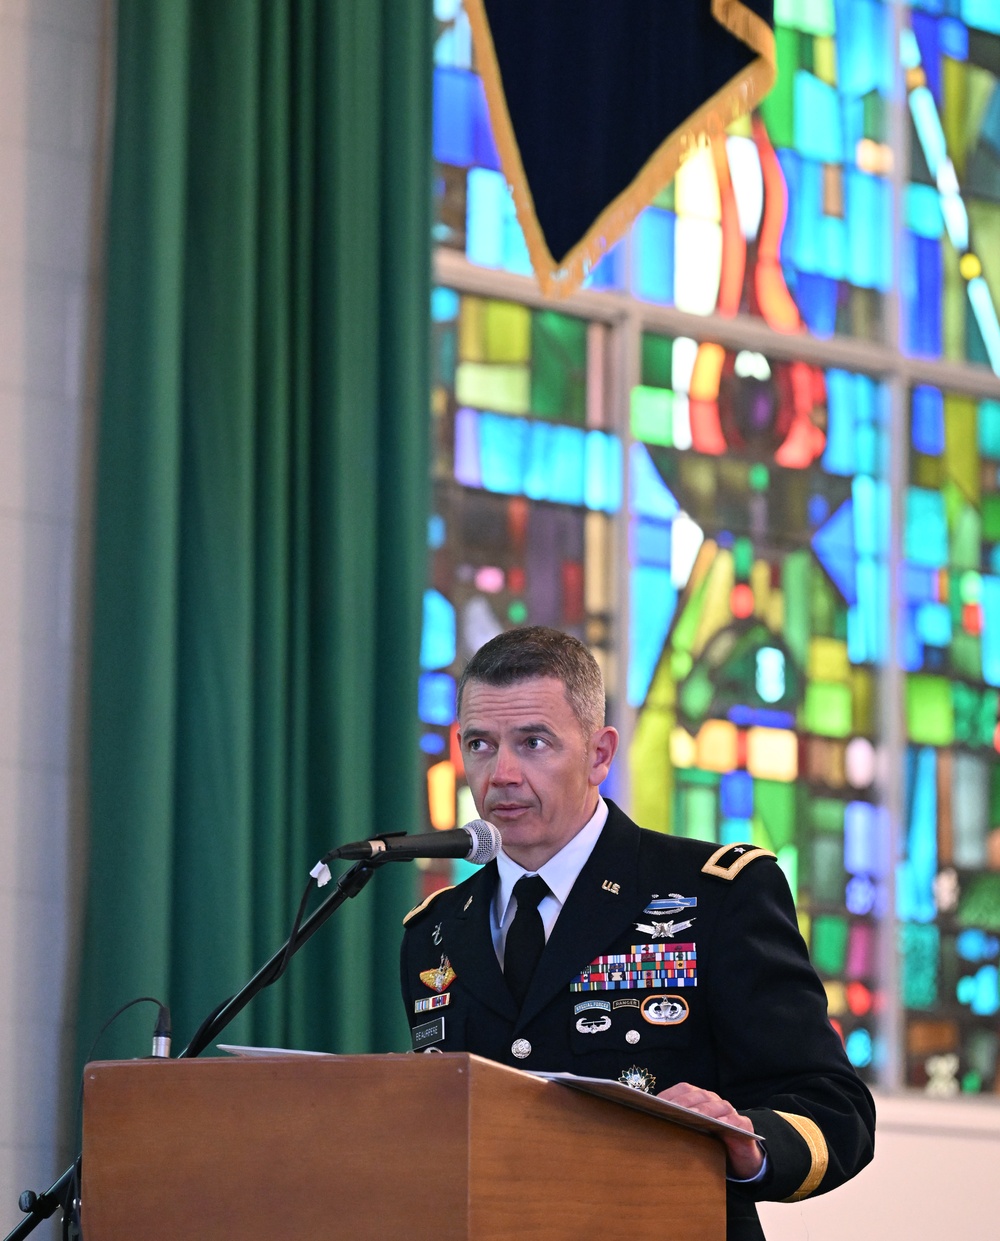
{"points": [[629, 1096]]}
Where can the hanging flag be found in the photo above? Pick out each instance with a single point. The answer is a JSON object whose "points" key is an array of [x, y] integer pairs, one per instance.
{"points": [[594, 104]]}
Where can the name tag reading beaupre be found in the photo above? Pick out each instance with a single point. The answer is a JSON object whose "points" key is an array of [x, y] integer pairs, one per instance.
{"points": [[429, 1032]]}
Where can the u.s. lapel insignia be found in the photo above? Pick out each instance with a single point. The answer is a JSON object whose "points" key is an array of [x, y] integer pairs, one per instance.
{"points": [[440, 978], [638, 1079], [663, 930], [609, 886]]}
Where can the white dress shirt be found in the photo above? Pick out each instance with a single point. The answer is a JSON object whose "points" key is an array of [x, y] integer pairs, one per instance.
{"points": [[559, 872]]}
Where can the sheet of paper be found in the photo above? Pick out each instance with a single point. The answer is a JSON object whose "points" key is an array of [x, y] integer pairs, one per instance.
{"points": [[265, 1053], [628, 1096]]}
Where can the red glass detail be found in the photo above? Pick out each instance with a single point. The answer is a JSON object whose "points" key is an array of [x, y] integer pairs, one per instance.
{"points": [[741, 601], [972, 618], [572, 592], [741, 748], [734, 246], [515, 580], [776, 303], [859, 998], [517, 521]]}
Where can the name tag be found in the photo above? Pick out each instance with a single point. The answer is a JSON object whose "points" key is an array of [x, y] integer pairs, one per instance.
{"points": [[429, 1032]]}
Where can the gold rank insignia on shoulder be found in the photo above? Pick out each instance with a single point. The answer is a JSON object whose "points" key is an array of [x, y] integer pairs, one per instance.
{"points": [[441, 977], [727, 862], [419, 909]]}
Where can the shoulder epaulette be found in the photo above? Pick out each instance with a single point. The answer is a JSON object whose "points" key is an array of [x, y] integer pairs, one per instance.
{"points": [[425, 902], [727, 862]]}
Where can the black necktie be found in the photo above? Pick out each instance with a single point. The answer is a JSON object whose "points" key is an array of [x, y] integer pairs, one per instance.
{"points": [[526, 937]]}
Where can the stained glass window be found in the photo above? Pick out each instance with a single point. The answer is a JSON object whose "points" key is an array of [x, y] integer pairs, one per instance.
{"points": [[756, 465], [948, 875], [952, 201], [758, 592], [527, 478]]}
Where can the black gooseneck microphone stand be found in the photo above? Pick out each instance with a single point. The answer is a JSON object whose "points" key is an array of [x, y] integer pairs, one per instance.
{"points": [[38, 1207]]}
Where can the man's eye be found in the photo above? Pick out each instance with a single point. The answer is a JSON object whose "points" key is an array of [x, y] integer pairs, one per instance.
{"points": [[535, 743]]}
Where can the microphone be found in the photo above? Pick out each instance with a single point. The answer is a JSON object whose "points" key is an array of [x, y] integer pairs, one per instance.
{"points": [[161, 1035], [477, 842]]}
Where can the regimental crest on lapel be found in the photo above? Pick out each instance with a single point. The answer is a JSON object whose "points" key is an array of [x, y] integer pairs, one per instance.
{"points": [[441, 977]]}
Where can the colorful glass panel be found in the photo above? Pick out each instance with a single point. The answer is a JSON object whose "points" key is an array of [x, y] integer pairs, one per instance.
{"points": [[758, 598], [527, 478], [951, 244], [948, 878]]}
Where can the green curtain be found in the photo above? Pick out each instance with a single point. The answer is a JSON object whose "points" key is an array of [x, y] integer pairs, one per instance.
{"points": [[260, 510]]}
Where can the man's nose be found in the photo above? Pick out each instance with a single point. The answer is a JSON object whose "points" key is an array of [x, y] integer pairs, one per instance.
{"points": [[506, 769]]}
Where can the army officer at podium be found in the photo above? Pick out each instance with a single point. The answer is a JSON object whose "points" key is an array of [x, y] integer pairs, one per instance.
{"points": [[594, 947]]}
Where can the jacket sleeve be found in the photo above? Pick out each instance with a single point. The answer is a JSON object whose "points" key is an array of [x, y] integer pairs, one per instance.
{"points": [[781, 1063]]}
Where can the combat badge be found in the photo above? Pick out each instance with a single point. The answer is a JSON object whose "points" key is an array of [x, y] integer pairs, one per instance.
{"points": [[663, 930], [593, 1023], [672, 903], [665, 1010], [441, 978], [638, 1079]]}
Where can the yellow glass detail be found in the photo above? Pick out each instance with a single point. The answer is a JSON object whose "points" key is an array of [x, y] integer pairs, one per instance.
{"points": [[441, 795], [828, 660], [683, 748], [716, 746], [506, 332], [505, 388], [471, 330], [772, 754]]}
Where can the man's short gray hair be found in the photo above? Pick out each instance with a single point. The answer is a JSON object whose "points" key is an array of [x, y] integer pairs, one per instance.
{"points": [[538, 651]]}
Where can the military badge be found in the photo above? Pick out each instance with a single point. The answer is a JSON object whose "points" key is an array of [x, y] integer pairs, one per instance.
{"points": [[440, 978], [663, 930], [664, 1010], [647, 967], [593, 1023], [432, 1002], [604, 1005], [638, 1079], [673, 903]]}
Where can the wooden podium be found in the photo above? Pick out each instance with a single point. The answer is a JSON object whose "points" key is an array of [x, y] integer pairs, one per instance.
{"points": [[438, 1147]]}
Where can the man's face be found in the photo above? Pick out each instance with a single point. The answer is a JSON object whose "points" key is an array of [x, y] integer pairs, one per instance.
{"points": [[532, 770]]}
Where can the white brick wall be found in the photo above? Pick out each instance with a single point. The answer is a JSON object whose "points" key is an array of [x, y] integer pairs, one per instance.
{"points": [[50, 62]]}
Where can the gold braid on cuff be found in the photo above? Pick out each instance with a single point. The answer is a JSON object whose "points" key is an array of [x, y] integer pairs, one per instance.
{"points": [[819, 1155]]}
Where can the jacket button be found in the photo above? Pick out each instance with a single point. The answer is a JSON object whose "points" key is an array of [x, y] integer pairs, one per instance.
{"points": [[521, 1048], [632, 1036]]}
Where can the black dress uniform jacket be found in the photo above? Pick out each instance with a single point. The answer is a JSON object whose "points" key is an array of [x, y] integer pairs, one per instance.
{"points": [[749, 1021]]}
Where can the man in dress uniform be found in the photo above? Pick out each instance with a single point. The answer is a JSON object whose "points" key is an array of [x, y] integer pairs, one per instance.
{"points": [[593, 947]]}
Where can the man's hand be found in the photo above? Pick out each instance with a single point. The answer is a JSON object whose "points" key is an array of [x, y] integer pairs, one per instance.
{"points": [[744, 1156]]}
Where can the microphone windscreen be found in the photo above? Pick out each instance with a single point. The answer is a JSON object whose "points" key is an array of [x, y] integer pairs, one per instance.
{"points": [[486, 841]]}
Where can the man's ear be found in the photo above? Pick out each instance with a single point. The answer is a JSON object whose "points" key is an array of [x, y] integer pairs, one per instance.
{"points": [[603, 747]]}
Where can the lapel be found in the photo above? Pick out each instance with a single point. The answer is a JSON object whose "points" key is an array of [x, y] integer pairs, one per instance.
{"points": [[593, 916], [468, 941]]}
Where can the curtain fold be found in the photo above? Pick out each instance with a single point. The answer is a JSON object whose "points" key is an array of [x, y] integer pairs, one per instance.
{"points": [[261, 510]]}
